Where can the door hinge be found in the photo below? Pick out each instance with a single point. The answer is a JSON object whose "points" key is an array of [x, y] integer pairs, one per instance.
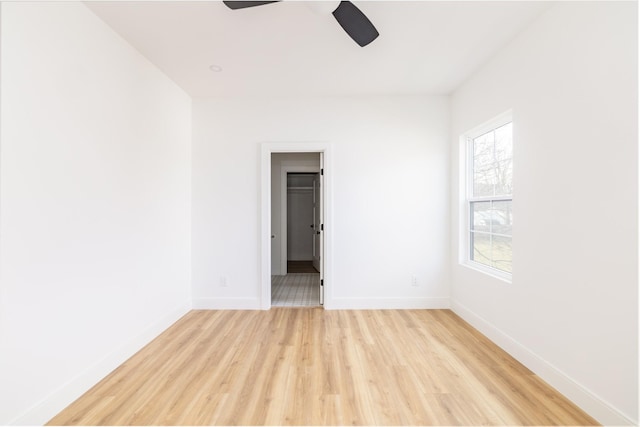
{"points": [[321, 227], [321, 282], [321, 171]]}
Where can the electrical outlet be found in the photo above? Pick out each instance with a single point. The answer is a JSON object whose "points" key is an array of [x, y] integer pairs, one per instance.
{"points": [[414, 281], [223, 281]]}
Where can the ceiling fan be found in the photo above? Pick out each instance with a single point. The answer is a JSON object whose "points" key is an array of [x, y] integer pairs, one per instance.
{"points": [[350, 18]]}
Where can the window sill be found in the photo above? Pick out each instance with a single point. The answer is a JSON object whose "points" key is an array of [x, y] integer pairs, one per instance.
{"points": [[492, 272]]}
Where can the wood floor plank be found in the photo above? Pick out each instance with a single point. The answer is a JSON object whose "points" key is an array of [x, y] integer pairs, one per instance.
{"points": [[308, 366]]}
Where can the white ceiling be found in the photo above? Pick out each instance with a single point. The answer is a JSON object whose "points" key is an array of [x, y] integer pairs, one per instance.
{"points": [[287, 48]]}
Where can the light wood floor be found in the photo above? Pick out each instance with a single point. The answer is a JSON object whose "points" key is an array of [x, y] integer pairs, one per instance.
{"points": [[290, 366]]}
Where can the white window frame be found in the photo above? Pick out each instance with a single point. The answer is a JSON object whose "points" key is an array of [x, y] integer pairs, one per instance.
{"points": [[467, 175]]}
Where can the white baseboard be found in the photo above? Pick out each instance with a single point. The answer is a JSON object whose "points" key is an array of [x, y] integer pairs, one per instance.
{"points": [[386, 303], [226, 304], [51, 405], [602, 411]]}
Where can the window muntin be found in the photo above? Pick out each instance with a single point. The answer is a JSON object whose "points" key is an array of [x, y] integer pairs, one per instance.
{"points": [[490, 199]]}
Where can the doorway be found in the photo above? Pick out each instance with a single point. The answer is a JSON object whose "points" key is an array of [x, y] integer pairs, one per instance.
{"points": [[278, 262], [296, 210]]}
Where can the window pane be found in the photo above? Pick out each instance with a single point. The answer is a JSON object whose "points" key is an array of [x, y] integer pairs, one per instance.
{"points": [[503, 160], [484, 178], [502, 217], [503, 142], [484, 181], [503, 171], [481, 216], [483, 149], [481, 248], [502, 253]]}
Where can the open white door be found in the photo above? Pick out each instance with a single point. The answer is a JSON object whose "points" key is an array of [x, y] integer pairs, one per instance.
{"points": [[319, 243]]}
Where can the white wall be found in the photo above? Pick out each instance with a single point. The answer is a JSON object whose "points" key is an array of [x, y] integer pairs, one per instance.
{"points": [[95, 205], [279, 161], [390, 195], [571, 312]]}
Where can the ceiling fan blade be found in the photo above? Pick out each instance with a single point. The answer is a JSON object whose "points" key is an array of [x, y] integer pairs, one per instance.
{"points": [[355, 23], [244, 4]]}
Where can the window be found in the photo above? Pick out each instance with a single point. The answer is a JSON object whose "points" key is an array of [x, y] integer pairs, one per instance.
{"points": [[490, 197]]}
